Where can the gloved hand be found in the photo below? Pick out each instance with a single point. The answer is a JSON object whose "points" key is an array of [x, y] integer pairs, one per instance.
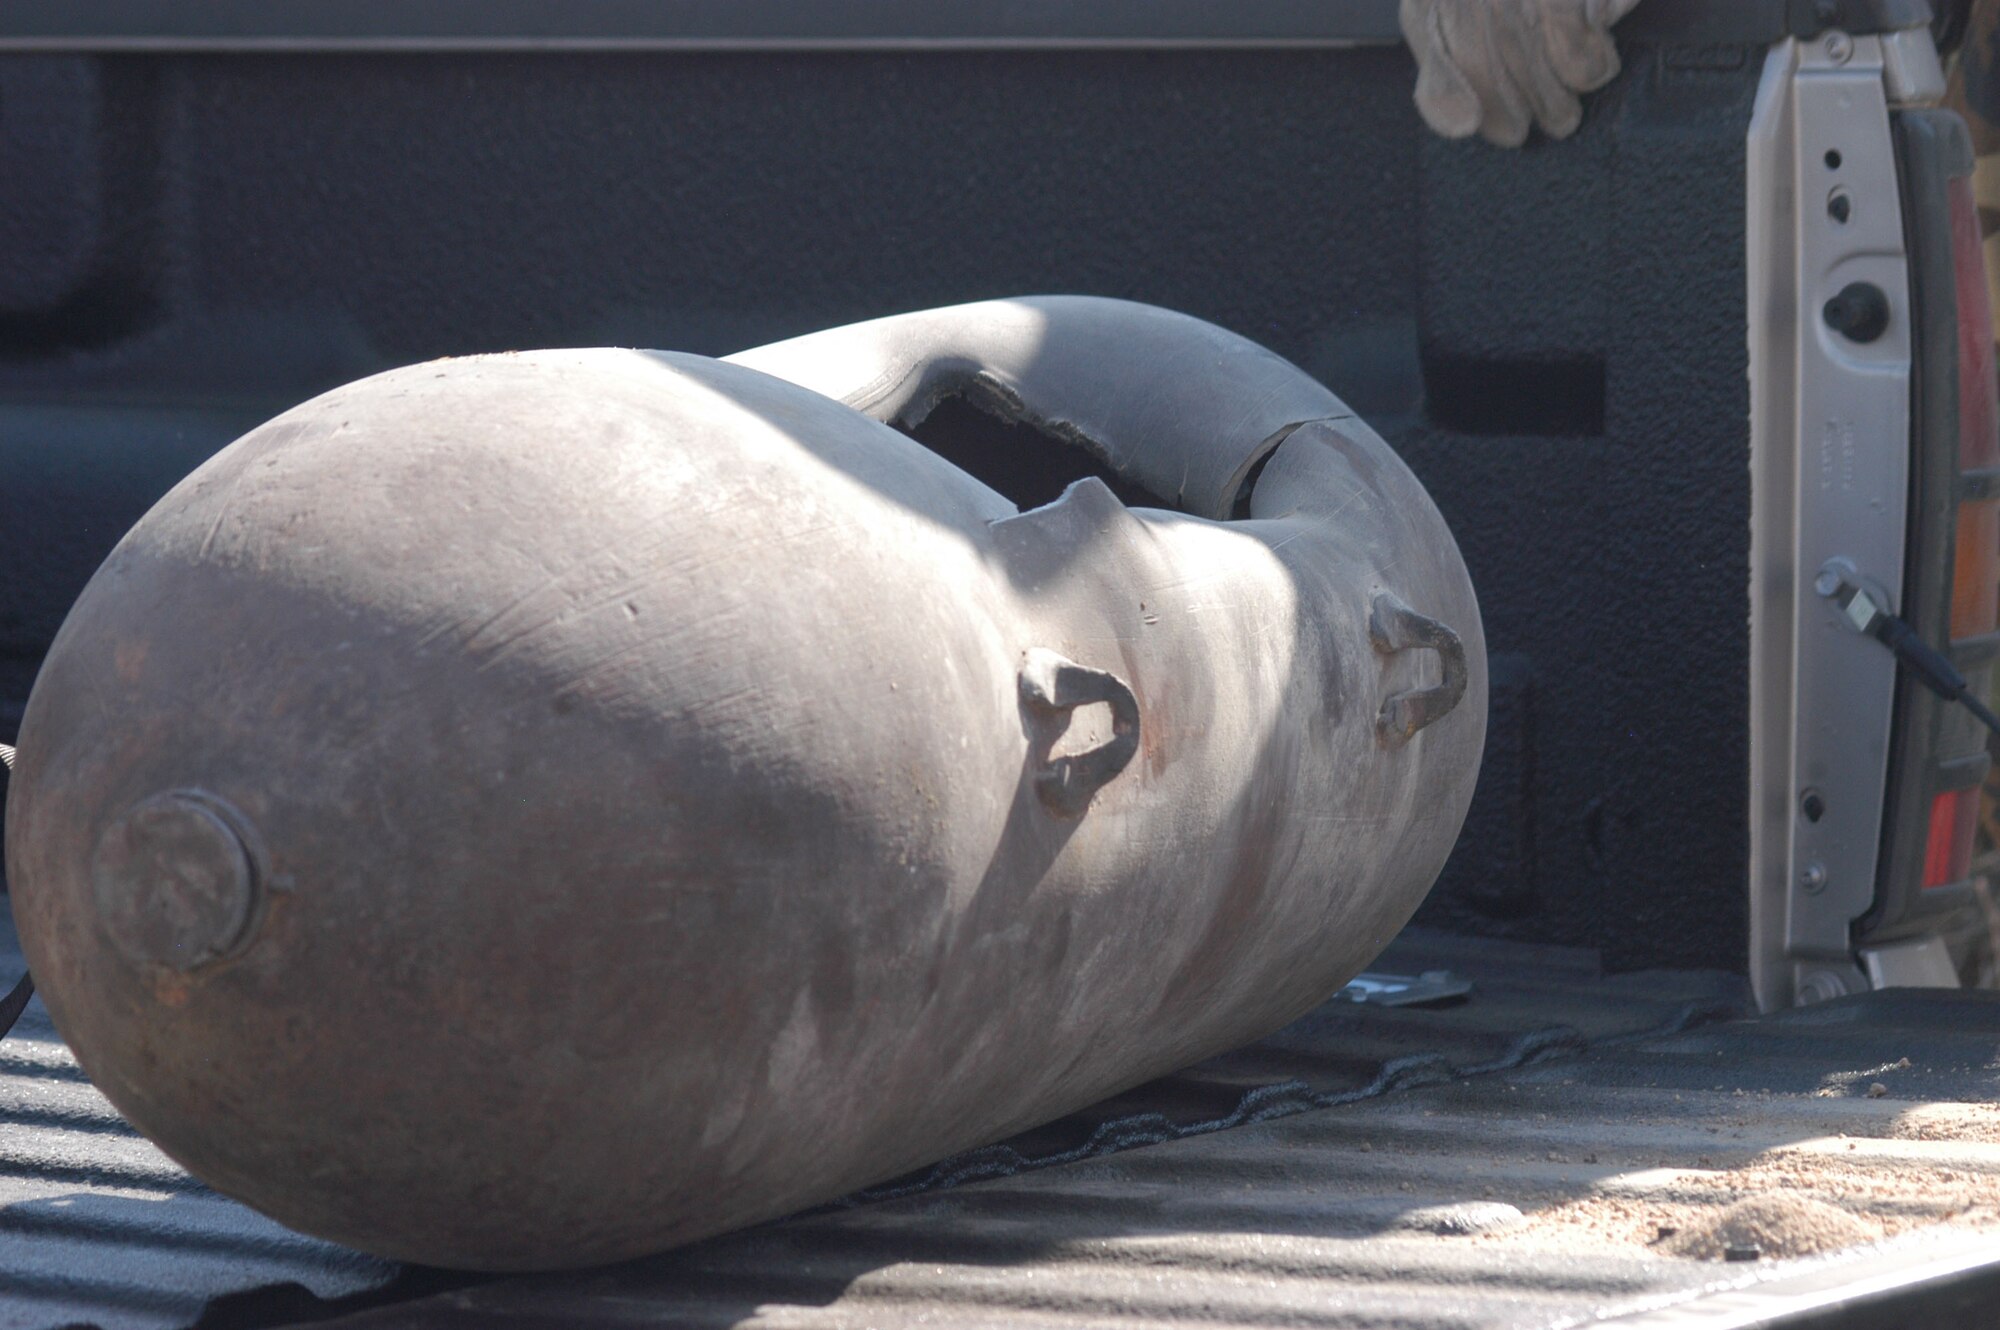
{"points": [[1495, 66]]}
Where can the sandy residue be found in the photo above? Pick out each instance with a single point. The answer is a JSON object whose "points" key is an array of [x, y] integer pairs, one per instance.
{"points": [[1948, 1122], [1804, 1196], [1779, 1224]]}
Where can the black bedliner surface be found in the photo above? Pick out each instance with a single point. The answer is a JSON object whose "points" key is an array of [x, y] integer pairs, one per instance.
{"points": [[1546, 1193], [1316, 1177]]}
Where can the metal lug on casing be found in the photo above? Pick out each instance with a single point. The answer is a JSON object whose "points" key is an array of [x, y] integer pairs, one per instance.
{"points": [[1394, 627], [1055, 685]]}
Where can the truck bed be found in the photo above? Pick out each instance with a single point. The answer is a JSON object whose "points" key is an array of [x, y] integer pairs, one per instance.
{"points": [[221, 227], [1556, 1148]]}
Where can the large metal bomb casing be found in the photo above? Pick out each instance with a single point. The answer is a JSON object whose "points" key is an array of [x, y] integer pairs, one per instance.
{"points": [[538, 809]]}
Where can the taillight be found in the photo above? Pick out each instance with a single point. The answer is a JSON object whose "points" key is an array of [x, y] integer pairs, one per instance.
{"points": [[1948, 849], [1975, 578], [1975, 583], [1935, 840]]}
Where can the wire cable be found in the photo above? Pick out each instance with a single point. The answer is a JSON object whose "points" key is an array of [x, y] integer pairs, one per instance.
{"points": [[1926, 663]]}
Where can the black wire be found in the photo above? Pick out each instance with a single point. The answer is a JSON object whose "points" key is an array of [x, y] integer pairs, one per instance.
{"points": [[1930, 667], [1978, 708]]}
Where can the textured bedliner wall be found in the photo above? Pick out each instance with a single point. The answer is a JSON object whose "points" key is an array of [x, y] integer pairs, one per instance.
{"points": [[1553, 338]]}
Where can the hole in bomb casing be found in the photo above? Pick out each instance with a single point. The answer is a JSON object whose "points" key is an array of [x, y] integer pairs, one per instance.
{"points": [[1240, 510], [1028, 466]]}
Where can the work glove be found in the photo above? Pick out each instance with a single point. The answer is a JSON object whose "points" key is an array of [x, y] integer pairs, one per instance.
{"points": [[1496, 66]]}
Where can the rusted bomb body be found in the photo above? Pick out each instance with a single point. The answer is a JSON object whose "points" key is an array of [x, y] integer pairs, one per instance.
{"points": [[532, 810]]}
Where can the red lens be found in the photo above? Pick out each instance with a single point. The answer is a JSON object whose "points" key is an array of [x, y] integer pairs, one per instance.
{"points": [[1948, 851]]}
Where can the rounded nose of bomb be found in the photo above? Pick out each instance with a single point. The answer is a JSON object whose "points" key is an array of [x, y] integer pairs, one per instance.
{"points": [[176, 884]]}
